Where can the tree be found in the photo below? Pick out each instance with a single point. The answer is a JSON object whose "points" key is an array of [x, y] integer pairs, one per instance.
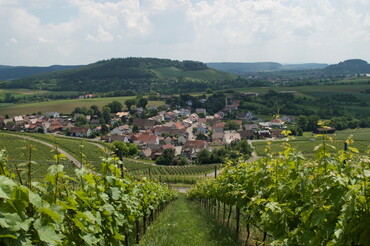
{"points": [[201, 136], [204, 157], [129, 103], [104, 129], [115, 106], [142, 102], [135, 129], [120, 149], [167, 157], [81, 120], [231, 125], [106, 114], [133, 150]]}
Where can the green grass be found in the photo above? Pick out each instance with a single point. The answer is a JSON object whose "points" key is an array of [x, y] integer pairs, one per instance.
{"points": [[62, 106], [183, 223], [308, 142]]}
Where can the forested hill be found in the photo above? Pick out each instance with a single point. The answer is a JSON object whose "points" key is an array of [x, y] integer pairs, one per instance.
{"points": [[11, 73], [353, 66], [139, 74]]}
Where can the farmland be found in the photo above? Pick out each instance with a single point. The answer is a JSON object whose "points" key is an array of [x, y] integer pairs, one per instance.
{"points": [[307, 143], [18, 149], [62, 106]]}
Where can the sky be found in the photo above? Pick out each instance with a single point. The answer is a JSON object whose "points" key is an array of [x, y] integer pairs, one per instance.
{"points": [[71, 32]]}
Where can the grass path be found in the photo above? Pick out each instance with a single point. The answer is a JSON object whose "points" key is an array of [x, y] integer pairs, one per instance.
{"points": [[185, 224]]}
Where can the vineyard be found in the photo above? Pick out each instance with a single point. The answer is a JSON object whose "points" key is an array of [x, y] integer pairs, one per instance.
{"points": [[306, 144], [285, 199], [91, 209]]}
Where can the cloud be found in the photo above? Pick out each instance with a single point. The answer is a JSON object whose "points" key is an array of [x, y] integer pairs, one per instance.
{"points": [[218, 30]]}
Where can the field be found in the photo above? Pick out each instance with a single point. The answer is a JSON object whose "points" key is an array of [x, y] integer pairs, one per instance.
{"points": [[188, 174], [18, 154], [28, 92], [316, 91], [74, 147], [308, 142], [62, 106]]}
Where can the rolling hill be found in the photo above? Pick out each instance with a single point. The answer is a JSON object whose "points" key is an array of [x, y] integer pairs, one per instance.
{"points": [[139, 74], [11, 73]]}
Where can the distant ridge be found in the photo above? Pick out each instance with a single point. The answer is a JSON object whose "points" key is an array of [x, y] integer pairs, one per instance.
{"points": [[248, 67], [132, 73], [12, 73], [352, 66]]}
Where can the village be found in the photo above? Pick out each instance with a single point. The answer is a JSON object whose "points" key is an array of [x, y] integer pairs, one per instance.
{"points": [[182, 129]]}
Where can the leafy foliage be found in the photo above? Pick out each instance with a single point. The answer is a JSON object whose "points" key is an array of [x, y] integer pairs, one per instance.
{"points": [[296, 201], [93, 209]]}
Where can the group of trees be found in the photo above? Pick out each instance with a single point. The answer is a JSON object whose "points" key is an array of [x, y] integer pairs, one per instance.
{"points": [[212, 104], [237, 149], [169, 158], [139, 102]]}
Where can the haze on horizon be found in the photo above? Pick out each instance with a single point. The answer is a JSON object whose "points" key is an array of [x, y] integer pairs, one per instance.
{"points": [[47, 32]]}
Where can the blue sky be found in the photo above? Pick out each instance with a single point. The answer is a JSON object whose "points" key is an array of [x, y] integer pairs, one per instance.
{"points": [[47, 32]]}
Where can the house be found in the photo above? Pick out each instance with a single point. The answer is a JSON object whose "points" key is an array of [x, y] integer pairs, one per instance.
{"points": [[182, 139], [18, 120], [2, 122], [193, 117], [219, 115], [80, 132], [252, 127], [277, 123], [217, 135], [52, 114], [288, 119], [184, 112], [277, 133], [55, 126], [192, 147], [246, 134], [144, 124], [264, 133], [143, 140], [218, 127], [201, 110], [67, 125], [151, 108], [170, 116], [123, 115], [121, 138], [201, 128], [230, 136], [246, 116], [95, 122], [168, 146], [159, 130], [216, 143], [121, 130]]}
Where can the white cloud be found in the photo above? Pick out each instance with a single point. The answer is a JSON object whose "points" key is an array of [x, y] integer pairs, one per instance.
{"points": [[218, 30]]}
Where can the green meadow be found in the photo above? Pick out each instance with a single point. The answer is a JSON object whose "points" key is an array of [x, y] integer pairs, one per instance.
{"points": [[62, 106]]}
